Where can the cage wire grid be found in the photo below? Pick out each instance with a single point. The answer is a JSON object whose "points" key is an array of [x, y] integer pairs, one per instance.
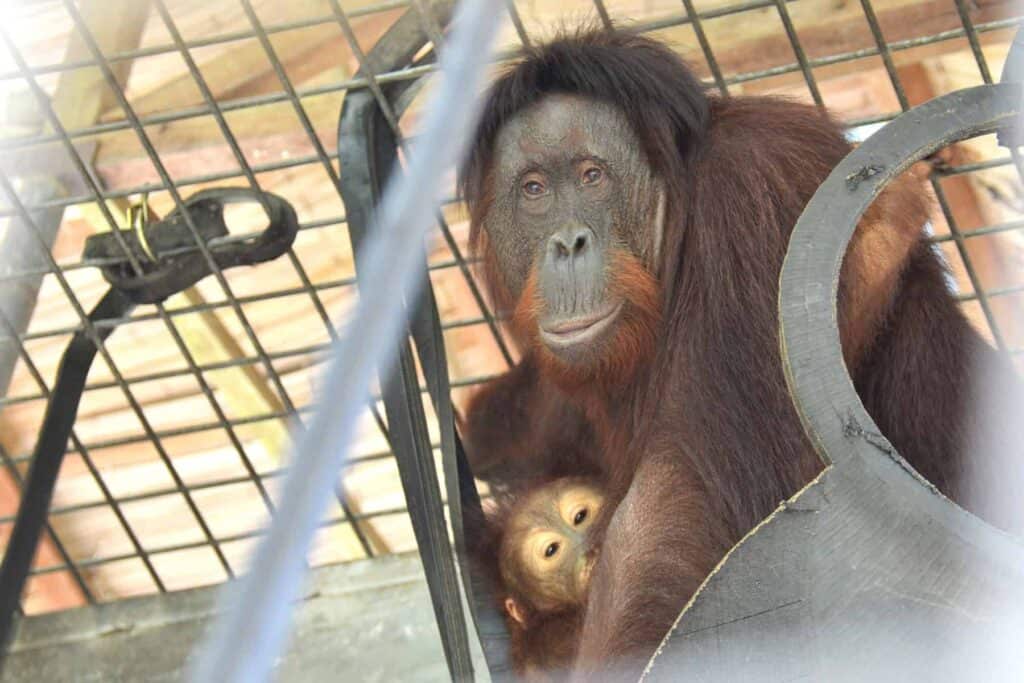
{"points": [[447, 258]]}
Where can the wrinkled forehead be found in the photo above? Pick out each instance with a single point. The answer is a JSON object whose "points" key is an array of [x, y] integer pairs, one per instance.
{"points": [[561, 127]]}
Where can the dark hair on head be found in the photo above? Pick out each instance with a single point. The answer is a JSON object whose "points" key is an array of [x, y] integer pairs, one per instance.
{"points": [[660, 97]]}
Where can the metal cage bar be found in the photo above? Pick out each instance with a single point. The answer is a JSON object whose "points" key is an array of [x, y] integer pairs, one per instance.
{"points": [[416, 72], [67, 562], [108, 358], [108, 500], [798, 50], [705, 47], [250, 177]]}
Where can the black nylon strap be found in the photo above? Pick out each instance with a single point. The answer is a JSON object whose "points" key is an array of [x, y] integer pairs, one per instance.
{"points": [[176, 264], [407, 426], [367, 151], [463, 499], [47, 459]]}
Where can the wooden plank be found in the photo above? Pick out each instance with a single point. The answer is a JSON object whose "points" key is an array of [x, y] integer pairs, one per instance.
{"points": [[243, 69], [828, 28], [82, 95], [232, 72], [993, 40], [269, 132], [195, 146], [243, 391], [742, 43], [755, 39]]}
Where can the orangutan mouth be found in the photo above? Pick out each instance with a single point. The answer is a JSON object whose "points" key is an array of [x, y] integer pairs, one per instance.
{"points": [[581, 330]]}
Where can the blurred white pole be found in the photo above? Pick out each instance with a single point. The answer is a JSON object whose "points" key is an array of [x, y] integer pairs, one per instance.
{"points": [[249, 636]]}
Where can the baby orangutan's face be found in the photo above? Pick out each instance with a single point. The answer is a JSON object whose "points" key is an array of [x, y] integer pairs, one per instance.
{"points": [[546, 557]]}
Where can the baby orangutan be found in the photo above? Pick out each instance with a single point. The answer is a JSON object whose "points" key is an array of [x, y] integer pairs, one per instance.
{"points": [[544, 562]]}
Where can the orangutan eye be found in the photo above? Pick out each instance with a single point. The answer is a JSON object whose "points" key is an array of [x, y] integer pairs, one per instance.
{"points": [[579, 517], [551, 550], [534, 188], [592, 175]]}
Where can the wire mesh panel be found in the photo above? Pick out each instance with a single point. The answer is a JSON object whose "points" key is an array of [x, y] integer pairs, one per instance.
{"points": [[174, 463]]}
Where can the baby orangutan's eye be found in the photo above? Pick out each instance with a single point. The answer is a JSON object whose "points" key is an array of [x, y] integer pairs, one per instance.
{"points": [[579, 517], [551, 550]]}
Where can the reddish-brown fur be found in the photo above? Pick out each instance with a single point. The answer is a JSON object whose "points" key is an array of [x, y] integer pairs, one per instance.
{"points": [[545, 651], [520, 427], [701, 440]]}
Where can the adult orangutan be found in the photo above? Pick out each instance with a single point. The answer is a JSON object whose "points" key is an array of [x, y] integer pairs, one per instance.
{"points": [[633, 228]]}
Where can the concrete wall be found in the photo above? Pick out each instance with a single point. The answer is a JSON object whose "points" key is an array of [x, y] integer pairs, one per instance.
{"points": [[365, 621]]}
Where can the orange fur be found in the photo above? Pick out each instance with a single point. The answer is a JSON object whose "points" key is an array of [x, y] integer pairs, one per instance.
{"points": [[876, 259], [632, 340]]}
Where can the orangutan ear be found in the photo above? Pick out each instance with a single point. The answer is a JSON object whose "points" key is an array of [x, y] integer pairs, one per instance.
{"points": [[515, 611]]}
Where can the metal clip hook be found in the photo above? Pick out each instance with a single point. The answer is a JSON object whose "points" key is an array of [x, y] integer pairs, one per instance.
{"points": [[171, 260], [138, 218]]}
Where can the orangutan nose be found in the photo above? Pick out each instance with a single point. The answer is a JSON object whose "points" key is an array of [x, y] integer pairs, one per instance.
{"points": [[569, 244], [572, 275]]}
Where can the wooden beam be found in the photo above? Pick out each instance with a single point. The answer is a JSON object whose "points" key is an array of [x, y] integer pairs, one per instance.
{"points": [[80, 100], [229, 73], [195, 146], [755, 39], [243, 69], [243, 390], [993, 40], [742, 43], [82, 95]]}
